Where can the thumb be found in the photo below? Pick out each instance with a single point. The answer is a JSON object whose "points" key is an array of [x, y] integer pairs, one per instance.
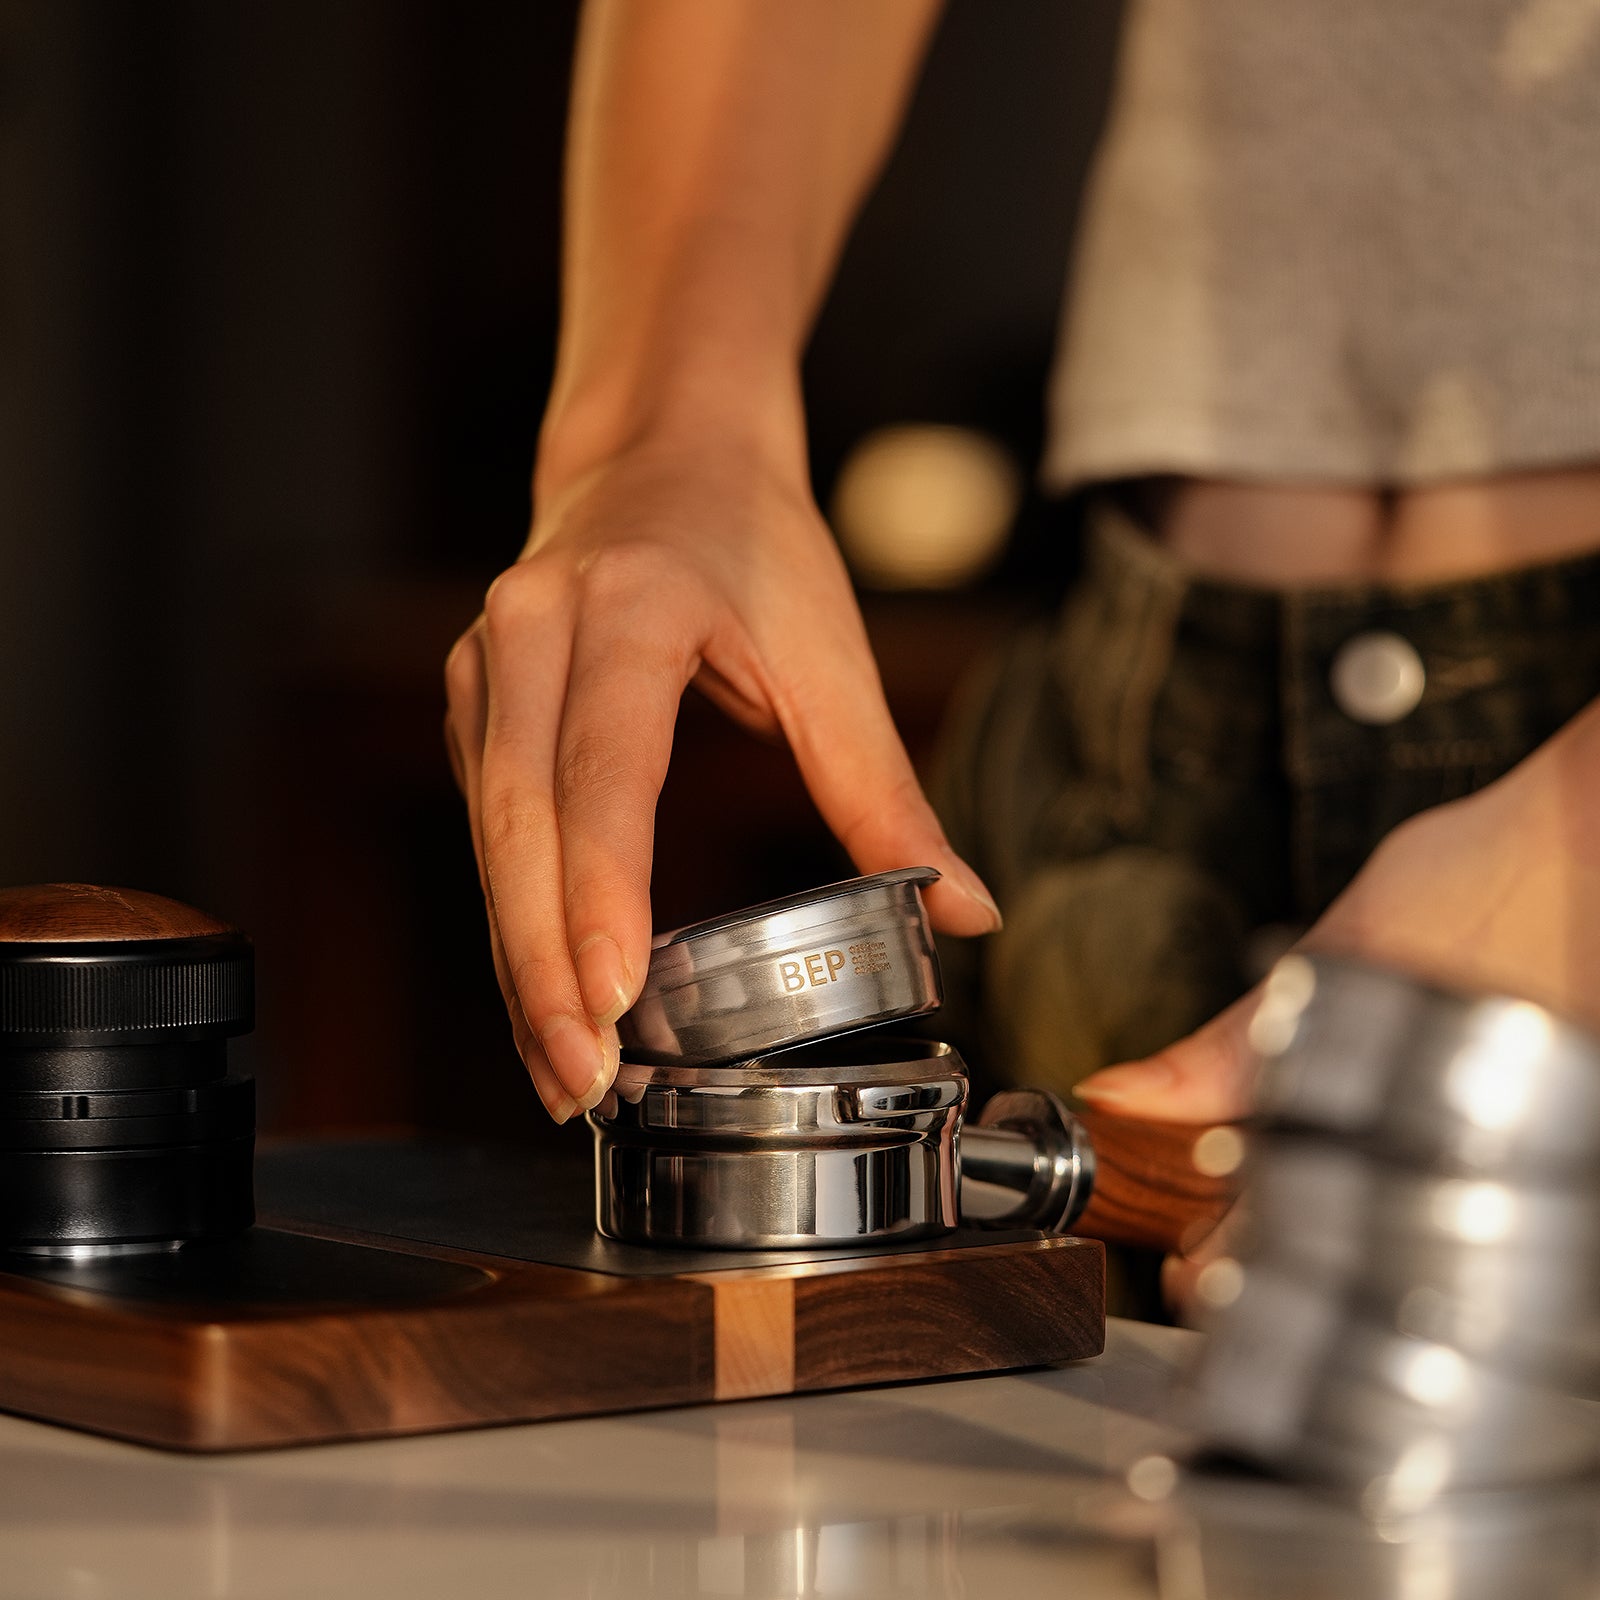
{"points": [[1207, 1077]]}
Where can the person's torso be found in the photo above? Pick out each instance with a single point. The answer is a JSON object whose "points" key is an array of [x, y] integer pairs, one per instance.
{"points": [[1336, 248]]}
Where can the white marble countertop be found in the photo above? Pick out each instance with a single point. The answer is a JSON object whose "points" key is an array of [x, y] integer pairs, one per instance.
{"points": [[1007, 1486]]}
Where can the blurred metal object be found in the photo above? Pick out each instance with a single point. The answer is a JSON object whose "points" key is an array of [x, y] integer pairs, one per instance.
{"points": [[1414, 1293], [1235, 1536], [832, 960], [1297, 1379], [1491, 1086], [820, 1147], [1505, 1273]]}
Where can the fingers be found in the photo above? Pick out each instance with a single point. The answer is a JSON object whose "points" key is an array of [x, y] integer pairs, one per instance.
{"points": [[1202, 1275], [615, 742], [858, 773], [549, 1088], [466, 680], [526, 636], [1207, 1077]]}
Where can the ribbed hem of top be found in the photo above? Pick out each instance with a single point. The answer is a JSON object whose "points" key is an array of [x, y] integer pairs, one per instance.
{"points": [[1248, 446]]}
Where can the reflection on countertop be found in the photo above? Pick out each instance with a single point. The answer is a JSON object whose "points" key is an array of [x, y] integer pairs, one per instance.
{"points": [[988, 1487]]}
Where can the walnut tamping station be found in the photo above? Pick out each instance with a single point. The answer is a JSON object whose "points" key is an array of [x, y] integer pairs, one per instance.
{"points": [[373, 1288]]}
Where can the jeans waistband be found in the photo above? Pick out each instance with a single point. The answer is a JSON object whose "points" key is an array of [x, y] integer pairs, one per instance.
{"points": [[1503, 653], [1172, 679]]}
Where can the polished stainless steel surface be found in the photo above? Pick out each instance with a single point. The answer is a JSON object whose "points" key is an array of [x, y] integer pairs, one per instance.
{"points": [[1487, 1085], [829, 1145], [847, 956], [1025, 1163], [1293, 1377], [837, 1143], [1505, 1272]]}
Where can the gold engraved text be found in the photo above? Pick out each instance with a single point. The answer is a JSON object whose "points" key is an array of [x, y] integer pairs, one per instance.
{"points": [[814, 971]]}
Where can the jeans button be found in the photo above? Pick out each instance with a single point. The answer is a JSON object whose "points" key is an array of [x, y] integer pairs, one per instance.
{"points": [[1377, 678]]}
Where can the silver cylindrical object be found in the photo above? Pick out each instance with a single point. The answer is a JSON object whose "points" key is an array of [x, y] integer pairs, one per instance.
{"points": [[1507, 1273], [1486, 1085], [810, 966], [1295, 1378], [1415, 1291], [833, 1144], [804, 1151]]}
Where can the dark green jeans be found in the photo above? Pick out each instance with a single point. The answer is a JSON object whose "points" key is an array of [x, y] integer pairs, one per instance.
{"points": [[1166, 777]]}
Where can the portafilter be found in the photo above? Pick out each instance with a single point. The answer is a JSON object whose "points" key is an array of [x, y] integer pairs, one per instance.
{"points": [[866, 1140]]}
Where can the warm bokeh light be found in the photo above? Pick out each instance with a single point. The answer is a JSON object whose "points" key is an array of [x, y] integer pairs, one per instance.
{"points": [[925, 507]]}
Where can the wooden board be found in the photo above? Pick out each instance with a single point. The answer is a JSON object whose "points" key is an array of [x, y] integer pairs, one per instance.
{"points": [[312, 1330]]}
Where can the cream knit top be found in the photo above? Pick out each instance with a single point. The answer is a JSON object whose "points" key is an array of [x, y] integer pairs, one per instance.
{"points": [[1347, 241]]}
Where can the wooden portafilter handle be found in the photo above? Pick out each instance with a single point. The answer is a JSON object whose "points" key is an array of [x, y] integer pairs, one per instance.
{"points": [[1028, 1161]]}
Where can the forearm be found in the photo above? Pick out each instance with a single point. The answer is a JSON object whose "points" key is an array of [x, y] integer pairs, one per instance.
{"points": [[717, 152]]}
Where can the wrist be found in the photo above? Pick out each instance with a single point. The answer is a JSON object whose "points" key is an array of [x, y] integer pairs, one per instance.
{"points": [[709, 400]]}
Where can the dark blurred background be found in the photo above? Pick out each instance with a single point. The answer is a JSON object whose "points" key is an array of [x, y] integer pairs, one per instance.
{"points": [[277, 316]]}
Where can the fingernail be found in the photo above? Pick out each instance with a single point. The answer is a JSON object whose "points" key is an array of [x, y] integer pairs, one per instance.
{"points": [[563, 1109], [1119, 1086], [575, 1053], [973, 887], [606, 1076], [603, 978]]}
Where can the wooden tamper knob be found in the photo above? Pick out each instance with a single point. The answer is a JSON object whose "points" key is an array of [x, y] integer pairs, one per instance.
{"points": [[120, 1126]]}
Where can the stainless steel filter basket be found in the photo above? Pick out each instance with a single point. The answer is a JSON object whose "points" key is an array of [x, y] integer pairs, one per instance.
{"points": [[829, 961], [852, 1144]]}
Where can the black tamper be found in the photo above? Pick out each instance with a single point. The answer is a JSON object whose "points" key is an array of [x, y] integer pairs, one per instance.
{"points": [[120, 1125]]}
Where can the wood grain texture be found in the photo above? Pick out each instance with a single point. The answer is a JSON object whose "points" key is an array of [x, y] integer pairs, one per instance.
{"points": [[82, 912], [932, 1314], [1147, 1189], [754, 1314], [950, 1311], [532, 1341]]}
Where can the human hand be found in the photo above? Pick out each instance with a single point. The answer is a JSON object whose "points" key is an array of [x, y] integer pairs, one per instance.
{"points": [[1497, 892], [656, 569]]}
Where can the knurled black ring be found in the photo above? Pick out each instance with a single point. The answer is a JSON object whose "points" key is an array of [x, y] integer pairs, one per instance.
{"points": [[126, 991]]}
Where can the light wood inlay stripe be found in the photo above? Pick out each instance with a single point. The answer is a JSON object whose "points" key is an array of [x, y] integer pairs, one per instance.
{"points": [[754, 1334]]}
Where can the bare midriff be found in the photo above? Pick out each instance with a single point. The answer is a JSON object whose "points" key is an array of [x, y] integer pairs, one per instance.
{"points": [[1294, 536]]}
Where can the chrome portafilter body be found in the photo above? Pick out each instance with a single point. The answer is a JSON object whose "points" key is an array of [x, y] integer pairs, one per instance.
{"points": [[777, 1156], [788, 972], [843, 1143]]}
